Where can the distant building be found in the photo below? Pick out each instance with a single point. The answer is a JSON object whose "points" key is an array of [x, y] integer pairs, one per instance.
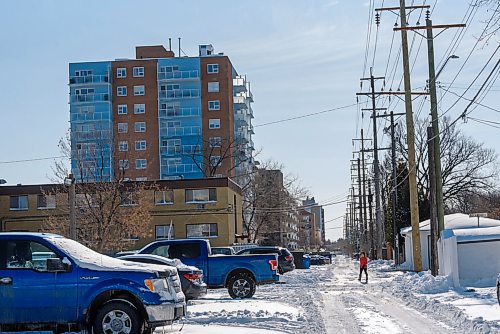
{"points": [[203, 208], [310, 205], [160, 117], [276, 211]]}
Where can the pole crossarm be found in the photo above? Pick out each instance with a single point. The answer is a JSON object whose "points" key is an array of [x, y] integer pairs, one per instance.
{"points": [[389, 115], [398, 8], [392, 93], [437, 26], [371, 109]]}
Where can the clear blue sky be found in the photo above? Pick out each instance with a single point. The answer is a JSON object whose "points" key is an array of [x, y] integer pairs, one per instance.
{"points": [[301, 57]]}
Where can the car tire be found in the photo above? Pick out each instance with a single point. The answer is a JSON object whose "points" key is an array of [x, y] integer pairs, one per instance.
{"points": [[498, 293], [117, 317], [241, 286]]}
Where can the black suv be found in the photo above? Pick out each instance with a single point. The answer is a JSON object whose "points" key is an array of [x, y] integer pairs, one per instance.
{"points": [[285, 258]]}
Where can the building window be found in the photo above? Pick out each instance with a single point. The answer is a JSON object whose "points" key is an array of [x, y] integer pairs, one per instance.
{"points": [[122, 127], [212, 68], [123, 146], [215, 141], [215, 160], [141, 163], [201, 195], [138, 90], [164, 232], [139, 108], [121, 72], [123, 164], [121, 90], [138, 72], [164, 197], [128, 199], [140, 145], [213, 87], [19, 202], [84, 91], [46, 202], [122, 109], [83, 73], [201, 230], [140, 127], [214, 123], [214, 105]]}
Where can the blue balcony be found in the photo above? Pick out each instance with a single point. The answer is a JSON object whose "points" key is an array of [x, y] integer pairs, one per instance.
{"points": [[240, 84], [89, 80], [86, 98], [179, 94], [180, 112], [181, 131], [179, 75], [181, 149]]}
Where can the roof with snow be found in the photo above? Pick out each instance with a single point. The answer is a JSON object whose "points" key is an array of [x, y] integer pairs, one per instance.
{"points": [[460, 221]]}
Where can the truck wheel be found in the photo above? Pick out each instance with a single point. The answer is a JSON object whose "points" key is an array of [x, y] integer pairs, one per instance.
{"points": [[241, 286], [117, 318]]}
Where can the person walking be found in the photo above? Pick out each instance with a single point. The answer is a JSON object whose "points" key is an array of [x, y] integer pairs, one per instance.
{"points": [[363, 266]]}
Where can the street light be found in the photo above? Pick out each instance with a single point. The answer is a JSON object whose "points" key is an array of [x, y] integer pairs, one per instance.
{"points": [[446, 62], [70, 181]]}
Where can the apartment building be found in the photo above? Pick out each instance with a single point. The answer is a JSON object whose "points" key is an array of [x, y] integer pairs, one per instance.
{"points": [[160, 117], [310, 205], [202, 208]]}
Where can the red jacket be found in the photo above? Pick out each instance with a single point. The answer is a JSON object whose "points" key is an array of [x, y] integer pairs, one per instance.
{"points": [[363, 262]]}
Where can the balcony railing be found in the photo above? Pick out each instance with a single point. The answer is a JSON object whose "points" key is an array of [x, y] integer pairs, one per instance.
{"points": [[181, 131], [179, 75], [100, 97], [181, 168], [182, 149], [240, 84], [179, 94], [180, 112], [89, 79]]}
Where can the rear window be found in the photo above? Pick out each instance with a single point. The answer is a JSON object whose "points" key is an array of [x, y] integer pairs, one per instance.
{"points": [[285, 252]]}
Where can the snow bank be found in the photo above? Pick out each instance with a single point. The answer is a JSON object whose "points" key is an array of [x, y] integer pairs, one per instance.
{"points": [[423, 282]]}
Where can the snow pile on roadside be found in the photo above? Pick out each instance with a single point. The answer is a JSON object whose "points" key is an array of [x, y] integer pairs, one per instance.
{"points": [[416, 290], [423, 282]]}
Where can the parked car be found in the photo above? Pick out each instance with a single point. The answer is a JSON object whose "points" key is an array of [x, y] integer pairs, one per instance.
{"points": [[285, 258], [76, 287], [319, 259], [191, 277], [222, 250], [239, 274]]}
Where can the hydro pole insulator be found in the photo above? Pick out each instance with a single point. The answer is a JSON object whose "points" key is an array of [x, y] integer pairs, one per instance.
{"points": [[377, 19]]}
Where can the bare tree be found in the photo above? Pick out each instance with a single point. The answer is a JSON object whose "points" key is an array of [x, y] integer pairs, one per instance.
{"points": [[111, 211], [467, 166]]}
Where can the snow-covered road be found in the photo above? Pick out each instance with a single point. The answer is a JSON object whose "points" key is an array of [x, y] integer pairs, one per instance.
{"points": [[329, 299]]}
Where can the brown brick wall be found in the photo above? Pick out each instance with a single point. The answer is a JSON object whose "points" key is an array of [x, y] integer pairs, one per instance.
{"points": [[225, 114], [150, 117]]}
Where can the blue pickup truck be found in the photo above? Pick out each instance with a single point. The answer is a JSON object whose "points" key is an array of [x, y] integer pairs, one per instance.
{"points": [[238, 273], [50, 282]]}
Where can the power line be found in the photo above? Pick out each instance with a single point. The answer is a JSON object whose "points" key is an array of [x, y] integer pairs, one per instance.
{"points": [[306, 115], [29, 160]]}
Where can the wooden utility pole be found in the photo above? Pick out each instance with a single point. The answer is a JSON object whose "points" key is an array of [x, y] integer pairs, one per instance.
{"points": [[373, 233], [410, 138], [433, 212]]}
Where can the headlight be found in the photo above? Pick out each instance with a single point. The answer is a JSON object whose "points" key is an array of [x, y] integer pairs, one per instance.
{"points": [[156, 284]]}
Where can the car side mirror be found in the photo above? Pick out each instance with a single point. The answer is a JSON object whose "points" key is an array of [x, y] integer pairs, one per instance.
{"points": [[56, 265]]}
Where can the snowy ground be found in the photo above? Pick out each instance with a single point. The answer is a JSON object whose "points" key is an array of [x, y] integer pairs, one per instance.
{"points": [[329, 299]]}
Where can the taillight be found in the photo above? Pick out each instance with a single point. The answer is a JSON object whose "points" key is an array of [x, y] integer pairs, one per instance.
{"points": [[289, 258], [273, 264], [193, 277]]}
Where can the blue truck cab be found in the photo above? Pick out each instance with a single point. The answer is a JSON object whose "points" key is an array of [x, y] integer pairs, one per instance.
{"points": [[238, 273], [51, 282]]}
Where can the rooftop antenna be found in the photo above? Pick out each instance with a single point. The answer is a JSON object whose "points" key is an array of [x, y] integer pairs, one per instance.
{"points": [[169, 44], [179, 46]]}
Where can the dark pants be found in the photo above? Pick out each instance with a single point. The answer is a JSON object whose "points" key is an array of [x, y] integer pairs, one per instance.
{"points": [[361, 271]]}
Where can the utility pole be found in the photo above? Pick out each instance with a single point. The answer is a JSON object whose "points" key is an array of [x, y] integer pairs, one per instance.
{"points": [[363, 197], [433, 212], [395, 242], [434, 141], [70, 181], [361, 223], [373, 249]]}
